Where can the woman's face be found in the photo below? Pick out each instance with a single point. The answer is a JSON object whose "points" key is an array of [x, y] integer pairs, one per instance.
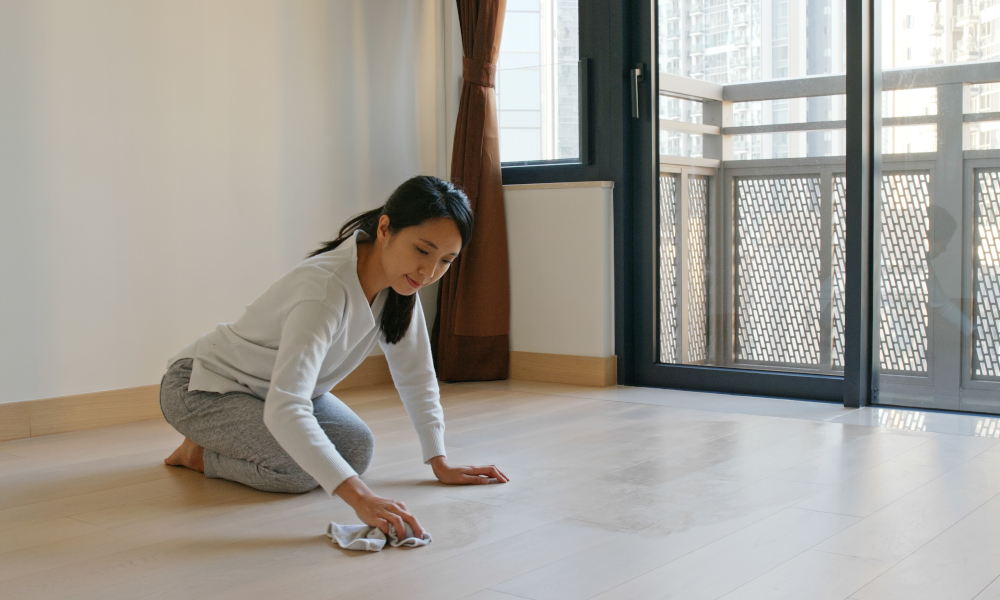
{"points": [[417, 256]]}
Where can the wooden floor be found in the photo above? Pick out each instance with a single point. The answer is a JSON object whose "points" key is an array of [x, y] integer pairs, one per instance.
{"points": [[615, 493]]}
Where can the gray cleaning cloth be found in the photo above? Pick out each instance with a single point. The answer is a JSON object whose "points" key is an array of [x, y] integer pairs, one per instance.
{"points": [[363, 537]]}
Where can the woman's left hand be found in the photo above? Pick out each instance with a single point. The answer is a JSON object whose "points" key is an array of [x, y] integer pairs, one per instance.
{"points": [[466, 474]]}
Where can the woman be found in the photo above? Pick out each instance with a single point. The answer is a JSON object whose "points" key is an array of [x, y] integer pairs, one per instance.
{"points": [[252, 397]]}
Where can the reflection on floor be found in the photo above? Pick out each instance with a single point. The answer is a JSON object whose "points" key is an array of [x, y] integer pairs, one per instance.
{"points": [[615, 493], [918, 420]]}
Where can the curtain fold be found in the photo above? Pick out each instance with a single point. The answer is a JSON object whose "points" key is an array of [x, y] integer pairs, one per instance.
{"points": [[471, 330]]}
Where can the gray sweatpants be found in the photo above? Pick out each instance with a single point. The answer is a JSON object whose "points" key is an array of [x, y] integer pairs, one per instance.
{"points": [[239, 447]]}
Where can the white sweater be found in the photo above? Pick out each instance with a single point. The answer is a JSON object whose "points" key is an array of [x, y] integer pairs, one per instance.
{"points": [[302, 336]]}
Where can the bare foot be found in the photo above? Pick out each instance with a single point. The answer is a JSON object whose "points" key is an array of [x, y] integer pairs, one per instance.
{"points": [[188, 454]]}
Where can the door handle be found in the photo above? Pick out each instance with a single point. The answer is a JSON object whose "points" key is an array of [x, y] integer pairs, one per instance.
{"points": [[636, 75]]}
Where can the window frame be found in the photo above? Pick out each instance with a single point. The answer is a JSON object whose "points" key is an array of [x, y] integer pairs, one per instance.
{"points": [[597, 107]]}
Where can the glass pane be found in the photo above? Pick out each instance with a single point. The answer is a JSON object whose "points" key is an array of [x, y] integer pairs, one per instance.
{"points": [[907, 139], [986, 341], [668, 267], [751, 255], [938, 218], [777, 275], [909, 103], [798, 144], [920, 34], [680, 109], [537, 81], [839, 279], [984, 98], [790, 110], [904, 272], [679, 143], [983, 136], [685, 275]]}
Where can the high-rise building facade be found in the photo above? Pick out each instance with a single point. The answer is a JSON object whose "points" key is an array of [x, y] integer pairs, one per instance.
{"points": [[734, 41], [920, 34]]}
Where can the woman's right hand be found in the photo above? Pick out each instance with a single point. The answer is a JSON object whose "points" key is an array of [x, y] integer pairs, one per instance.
{"points": [[376, 511]]}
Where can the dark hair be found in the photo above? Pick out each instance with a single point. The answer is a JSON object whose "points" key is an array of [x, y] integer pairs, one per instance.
{"points": [[413, 202]]}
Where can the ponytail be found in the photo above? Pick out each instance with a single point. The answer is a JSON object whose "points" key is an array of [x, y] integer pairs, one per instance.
{"points": [[367, 222]]}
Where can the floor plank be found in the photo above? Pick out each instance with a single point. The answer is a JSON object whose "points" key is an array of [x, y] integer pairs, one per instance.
{"points": [[882, 484], [903, 527], [483, 567], [44, 532], [959, 563], [680, 528], [724, 565], [813, 575]]}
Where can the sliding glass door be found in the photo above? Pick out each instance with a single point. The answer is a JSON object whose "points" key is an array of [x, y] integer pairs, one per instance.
{"points": [[937, 305], [740, 245], [768, 258]]}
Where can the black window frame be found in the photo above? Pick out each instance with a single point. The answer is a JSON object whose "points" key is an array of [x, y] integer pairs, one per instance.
{"points": [[601, 125]]}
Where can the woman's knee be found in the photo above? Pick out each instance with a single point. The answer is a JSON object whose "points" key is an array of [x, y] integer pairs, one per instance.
{"points": [[173, 387], [359, 447], [296, 485], [351, 436], [285, 483]]}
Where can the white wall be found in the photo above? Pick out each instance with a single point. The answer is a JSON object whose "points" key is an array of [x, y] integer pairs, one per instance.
{"points": [[162, 163], [561, 244]]}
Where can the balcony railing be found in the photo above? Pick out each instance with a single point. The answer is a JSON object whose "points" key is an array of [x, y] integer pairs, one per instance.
{"points": [[752, 252]]}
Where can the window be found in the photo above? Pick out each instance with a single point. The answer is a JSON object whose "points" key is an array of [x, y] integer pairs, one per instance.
{"points": [[537, 82]]}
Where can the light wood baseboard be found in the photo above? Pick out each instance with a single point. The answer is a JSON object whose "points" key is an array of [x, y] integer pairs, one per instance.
{"points": [[373, 370], [14, 421], [82, 411], [564, 368], [99, 409], [31, 418]]}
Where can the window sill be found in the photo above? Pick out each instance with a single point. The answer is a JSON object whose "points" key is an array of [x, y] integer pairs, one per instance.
{"points": [[559, 185]]}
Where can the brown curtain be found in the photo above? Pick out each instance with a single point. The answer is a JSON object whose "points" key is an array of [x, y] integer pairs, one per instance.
{"points": [[471, 330]]}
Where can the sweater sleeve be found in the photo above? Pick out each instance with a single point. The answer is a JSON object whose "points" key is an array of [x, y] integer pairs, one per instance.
{"points": [[412, 368], [306, 337]]}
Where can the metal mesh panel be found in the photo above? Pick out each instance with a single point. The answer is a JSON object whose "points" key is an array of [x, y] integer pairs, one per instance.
{"points": [[697, 269], [668, 268], [777, 273], [903, 286], [986, 340], [839, 275]]}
